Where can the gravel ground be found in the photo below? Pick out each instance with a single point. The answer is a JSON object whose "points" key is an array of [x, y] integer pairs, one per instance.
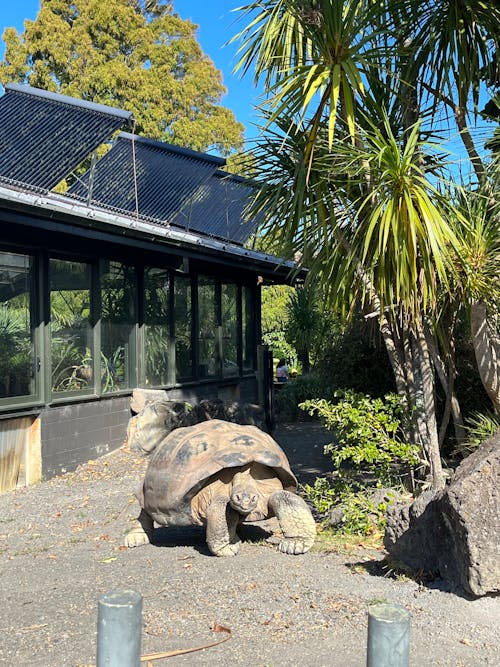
{"points": [[61, 549]]}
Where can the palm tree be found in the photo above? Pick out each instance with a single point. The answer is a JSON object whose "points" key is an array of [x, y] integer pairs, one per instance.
{"points": [[304, 324], [478, 261], [454, 45], [354, 196], [384, 245]]}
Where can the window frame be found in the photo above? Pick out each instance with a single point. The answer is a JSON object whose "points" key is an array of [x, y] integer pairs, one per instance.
{"points": [[36, 331], [40, 324]]}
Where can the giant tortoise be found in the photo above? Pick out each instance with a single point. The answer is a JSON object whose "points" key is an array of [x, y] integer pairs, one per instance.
{"points": [[220, 474]]}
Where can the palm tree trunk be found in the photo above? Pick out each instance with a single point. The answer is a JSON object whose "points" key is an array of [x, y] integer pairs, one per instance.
{"points": [[487, 351], [410, 359], [446, 372], [426, 405]]}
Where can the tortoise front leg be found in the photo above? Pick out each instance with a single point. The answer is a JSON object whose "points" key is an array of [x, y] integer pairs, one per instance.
{"points": [[141, 531], [296, 522], [222, 521]]}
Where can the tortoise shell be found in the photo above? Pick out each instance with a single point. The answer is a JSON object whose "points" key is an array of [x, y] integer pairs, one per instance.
{"points": [[189, 456]]}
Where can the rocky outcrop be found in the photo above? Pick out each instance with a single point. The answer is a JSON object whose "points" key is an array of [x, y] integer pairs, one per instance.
{"points": [[454, 533], [154, 421], [157, 416]]}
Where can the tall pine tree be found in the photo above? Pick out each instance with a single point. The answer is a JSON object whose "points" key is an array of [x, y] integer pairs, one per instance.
{"points": [[138, 55]]}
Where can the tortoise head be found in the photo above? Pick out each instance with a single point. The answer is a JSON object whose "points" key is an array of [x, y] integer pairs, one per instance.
{"points": [[244, 495]]}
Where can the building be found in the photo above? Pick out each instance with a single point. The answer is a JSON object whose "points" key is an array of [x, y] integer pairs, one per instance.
{"points": [[136, 276]]}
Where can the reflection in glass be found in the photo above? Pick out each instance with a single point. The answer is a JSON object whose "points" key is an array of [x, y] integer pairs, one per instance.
{"points": [[16, 340], [118, 297], [229, 330], [156, 328], [70, 326], [207, 328], [183, 321], [248, 329]]}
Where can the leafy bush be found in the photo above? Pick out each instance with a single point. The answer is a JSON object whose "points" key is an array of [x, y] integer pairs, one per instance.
{"points": [[291, 394], [479, 427], [368, 454], [360, 514], [367, 432]]}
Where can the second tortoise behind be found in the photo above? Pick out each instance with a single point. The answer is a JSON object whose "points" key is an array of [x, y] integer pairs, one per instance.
{"points": [[220, 474]]}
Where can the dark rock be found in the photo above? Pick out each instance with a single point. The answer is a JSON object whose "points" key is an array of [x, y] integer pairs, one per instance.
{"points": [[413, 532], [230, 411], [159, 417], [244, 413], [336, 516], [208, 408], [455, 532]]}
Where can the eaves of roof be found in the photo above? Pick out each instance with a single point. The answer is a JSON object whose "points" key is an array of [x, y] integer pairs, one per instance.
{"points": [[61, 209]]}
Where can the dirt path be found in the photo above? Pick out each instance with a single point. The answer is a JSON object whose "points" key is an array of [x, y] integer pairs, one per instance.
{"points": [[61, 548]]}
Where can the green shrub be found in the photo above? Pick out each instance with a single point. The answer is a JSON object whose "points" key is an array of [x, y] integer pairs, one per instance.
{"points": [[368, 435], [368, 453], [302, 388], [479, 428], [360, 515]]}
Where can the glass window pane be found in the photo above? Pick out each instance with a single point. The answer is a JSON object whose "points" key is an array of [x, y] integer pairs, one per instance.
{"points": [[183, 322], [118, 298], [16, 337], [248, 329], [70, 326], [156, 326], [207, 329], [229, 330]]}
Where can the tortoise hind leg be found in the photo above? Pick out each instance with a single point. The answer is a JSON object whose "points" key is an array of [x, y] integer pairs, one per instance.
{"points": [[296, 522], [141, 531], [222, 522]]}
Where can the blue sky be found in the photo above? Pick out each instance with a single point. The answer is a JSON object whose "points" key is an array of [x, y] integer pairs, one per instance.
{"points": [[216, 26]]}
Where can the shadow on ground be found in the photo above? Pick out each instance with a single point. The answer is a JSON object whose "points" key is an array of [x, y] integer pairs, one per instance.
{"points": [[303, 443]]}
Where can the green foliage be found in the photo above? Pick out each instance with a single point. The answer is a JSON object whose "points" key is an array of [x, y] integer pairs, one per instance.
{"points": [[306, 324], [274, 308], [138, 56], [479, 428], [354, 357], [350, 178], [15, 347], [294, 392], [295, 324], [367, 432], [360, 514], [280, 348]]}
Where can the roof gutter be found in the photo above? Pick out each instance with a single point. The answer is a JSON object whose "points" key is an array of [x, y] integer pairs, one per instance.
{"points": [[85, 216]]}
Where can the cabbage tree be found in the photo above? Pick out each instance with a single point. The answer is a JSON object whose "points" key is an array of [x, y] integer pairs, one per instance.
{"points": [[348, 179]]}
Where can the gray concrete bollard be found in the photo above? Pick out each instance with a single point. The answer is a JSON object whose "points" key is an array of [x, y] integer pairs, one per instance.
{"points": [[388, 636], [119, 627]]}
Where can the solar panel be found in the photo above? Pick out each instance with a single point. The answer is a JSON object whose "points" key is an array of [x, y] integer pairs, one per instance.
{"points": [[218, 209], [44, 135], [164, 178]]}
